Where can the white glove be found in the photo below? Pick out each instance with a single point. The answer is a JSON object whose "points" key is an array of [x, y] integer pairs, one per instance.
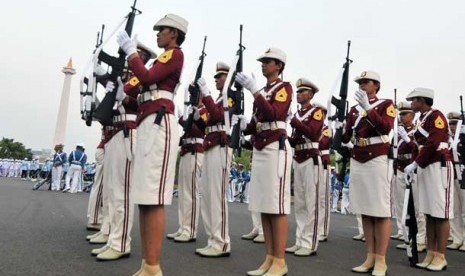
{"points": [[348, 145], [124, 41], [120, 95], [409, 170], [193, 110], [403, 134], [462, 129], [99, 70], [362, 99], [243, 121], [203, 87], [248, 82], [109, 87]]}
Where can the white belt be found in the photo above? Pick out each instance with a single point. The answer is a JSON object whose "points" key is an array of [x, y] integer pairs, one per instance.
{"points": [[124, 118], [76, 162], [324, 152], [262, 126], [215, 128], [304, 146], [154, 95], [363, 142], [187, 141]]}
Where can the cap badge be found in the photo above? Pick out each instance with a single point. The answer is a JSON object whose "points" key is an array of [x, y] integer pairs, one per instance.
{"points": [[364, 73]]}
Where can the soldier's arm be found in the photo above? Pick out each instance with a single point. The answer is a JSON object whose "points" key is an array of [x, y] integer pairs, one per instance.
{"points": [[279, 106], [384, 120]]}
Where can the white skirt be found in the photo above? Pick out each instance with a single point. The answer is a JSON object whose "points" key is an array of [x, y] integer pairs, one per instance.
{"points": [[370, 187], [270, 193], [436, 193], [155, 161]]}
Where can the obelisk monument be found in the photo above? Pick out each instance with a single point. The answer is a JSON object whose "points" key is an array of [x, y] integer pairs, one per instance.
{"points": [[60, 129]]}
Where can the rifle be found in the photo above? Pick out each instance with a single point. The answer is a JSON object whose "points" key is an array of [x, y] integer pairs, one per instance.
{"points": [[237, 64], [87, 102], [395, 149], [340, 103], [462, 117], [194, 90], [238, 100], [104, 111], [410, 228]]}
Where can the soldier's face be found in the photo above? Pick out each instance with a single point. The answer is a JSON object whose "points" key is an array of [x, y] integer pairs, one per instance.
{"points": [[304, 96], [219, 81], [369, 86], [453, 127], [406, 118], [270, 67], [416, 104], [165, 36]]}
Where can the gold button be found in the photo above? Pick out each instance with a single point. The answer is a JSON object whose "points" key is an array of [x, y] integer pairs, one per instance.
{"points": [[264, 140], [369, 153]]}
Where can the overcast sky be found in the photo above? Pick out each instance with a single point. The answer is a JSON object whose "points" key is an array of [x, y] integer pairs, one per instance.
{"points": [[410, 43]]}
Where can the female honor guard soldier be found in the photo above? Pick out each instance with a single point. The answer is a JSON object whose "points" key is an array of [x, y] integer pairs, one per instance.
{"points": [[272, 156], [434, 176], [157, 135], [371, 122], [307, 124]]}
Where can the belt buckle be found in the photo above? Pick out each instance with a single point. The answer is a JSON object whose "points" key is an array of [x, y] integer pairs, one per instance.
{"points": [[258, 127], [362, 142], [273, 126], [155, 95], [298, 147]]}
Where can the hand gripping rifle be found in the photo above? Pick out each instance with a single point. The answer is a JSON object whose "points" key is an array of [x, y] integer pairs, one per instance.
{"points": [[104, 111], [410, 227], [193, 92], [238, 100], [237, 65]]}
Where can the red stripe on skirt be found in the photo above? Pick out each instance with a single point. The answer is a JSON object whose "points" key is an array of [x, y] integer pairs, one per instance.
{"points": [[163, 167]]}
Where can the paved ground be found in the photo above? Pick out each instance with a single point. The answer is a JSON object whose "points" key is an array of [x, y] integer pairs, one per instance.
{"points": [[43, 233]]}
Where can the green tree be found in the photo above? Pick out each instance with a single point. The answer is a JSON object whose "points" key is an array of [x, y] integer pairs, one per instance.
{"points": [[13, 150]]}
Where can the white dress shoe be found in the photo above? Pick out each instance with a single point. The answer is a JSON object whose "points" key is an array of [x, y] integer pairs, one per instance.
{"points": [[379, 272], [89, 237], [362, 269], [437, 267], [462, 248], [100, 239], [250, 236], [198, 250], [259, 239], [183, 238], [421, 247], [281, 272], [402, 246], [303, 252], [173, 235], [358, 237], [322, 238], [99, 250], [110, 255], [292, 249], [212, 252], [454, 246], [258, 272]]}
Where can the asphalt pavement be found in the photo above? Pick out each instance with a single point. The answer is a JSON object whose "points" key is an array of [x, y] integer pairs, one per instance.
{"points": [[43, 233]]}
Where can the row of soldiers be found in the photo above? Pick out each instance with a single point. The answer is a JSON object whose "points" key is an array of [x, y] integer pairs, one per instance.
{"points": [[15, 168], [140, 169]]}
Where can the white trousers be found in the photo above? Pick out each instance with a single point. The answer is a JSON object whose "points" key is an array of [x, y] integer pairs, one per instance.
{"points": [[307, 177], [57, 174], [214, 207], [119, 204], [257, 222], [94, 207], [334, 199], [73, 176], [188, 194], [325, 204], [345, 202], [457, 225]]}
